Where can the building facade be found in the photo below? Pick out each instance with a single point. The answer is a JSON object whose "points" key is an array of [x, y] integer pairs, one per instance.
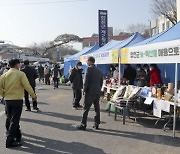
{"points": [[91, 41], [159, 25]]}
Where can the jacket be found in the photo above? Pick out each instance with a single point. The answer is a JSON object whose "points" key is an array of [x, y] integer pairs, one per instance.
{"points": [[56, 73], [12, 85], [141, 78], [130, 74], [155, 77], [76, 78], [41, 71], [93, 81], [31, 74]]}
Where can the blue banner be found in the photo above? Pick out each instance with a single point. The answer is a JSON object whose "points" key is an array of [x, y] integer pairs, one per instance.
{"points": [[103, 27]]}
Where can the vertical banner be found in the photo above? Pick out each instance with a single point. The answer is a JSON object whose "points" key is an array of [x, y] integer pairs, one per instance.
{"points": [[103, 27]]}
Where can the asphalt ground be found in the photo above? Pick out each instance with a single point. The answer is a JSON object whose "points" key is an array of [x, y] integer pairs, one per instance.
{"points": [[52, 131]]}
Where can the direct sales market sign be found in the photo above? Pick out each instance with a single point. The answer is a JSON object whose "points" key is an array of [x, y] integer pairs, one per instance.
{"points": [[165, 52], [103, 27]]}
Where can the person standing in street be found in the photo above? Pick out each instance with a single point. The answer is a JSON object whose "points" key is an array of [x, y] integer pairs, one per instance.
{"points": [[77, 84], [31, 74], [56, 74], [41, 73], [47, 72], [92, 91], [12, 86]]}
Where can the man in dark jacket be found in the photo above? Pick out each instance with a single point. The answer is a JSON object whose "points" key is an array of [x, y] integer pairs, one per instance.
{"points": [[41, 73], [56, 74], [130, 74], [77, 84], [32, 76], [92, 91]]}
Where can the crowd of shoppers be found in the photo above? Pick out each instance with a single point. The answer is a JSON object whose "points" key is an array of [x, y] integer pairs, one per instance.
{"points": [[16, 83]]}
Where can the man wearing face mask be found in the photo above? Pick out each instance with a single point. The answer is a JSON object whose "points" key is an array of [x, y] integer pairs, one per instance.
{"points": [[77, 84], [116, 72], [141, 76], [92, 90]]}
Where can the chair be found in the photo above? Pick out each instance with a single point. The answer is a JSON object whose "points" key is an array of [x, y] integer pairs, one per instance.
{"points": [[128, 102], [118, 95]]}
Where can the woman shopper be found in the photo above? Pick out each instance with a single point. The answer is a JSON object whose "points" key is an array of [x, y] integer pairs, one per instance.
{"points": [[155, 75]]}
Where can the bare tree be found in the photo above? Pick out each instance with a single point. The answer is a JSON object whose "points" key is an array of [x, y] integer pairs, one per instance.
{"points": [[166, 8], [117, 31], [133, 28], [62, 40]]}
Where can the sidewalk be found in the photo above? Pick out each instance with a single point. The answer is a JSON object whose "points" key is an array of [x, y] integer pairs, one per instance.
{"points": [[52, 131]]}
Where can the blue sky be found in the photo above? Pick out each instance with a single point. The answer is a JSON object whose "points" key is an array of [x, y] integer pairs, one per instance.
{"points": [[27, 23]]}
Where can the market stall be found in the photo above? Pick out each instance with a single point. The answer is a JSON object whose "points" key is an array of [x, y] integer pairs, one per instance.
{"points": [[109, 54], [71, 61], [160, 53]]}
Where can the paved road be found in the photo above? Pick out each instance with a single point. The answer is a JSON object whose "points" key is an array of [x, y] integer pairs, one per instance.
{"points": [[52, 131]]}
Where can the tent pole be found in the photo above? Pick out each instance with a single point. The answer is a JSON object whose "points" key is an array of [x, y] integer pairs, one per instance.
{"points": [[119, 71], [175, 100]]}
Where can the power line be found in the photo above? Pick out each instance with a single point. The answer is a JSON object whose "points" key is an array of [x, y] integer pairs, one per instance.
{"points": [[45, 2]]}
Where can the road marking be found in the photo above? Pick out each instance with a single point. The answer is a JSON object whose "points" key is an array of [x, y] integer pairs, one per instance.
{"points": [[2, 113]]}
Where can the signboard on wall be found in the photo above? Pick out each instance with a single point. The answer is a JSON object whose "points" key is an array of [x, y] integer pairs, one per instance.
{"points": [[165, 52], [103, 27], [107, 57]]}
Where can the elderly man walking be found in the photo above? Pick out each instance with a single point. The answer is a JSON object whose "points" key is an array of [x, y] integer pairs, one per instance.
{"points": [[12, 86], [92, 91]]}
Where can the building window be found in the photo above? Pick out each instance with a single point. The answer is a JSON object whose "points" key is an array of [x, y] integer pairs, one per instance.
{"points": [[154, 31], [163, 26], [92, 44], [167, 25], [85, 44]]}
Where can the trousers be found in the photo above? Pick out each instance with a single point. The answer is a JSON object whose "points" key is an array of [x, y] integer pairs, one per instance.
{"points": [[47, 80], [77, 95], [88, 101], [56, 82], [27, 102], [13, 113]]}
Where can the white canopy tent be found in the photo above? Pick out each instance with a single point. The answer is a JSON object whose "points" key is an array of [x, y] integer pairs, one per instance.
{"points": [[160, 53]]}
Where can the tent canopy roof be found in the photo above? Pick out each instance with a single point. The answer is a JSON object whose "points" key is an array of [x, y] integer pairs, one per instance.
{"points": [[113, 45], [84, 51]]}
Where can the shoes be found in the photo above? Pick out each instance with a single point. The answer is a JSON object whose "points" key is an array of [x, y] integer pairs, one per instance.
{"points": [[13, 144], [81, 127], [36, 108], [96, 126], [80, 106], [28, 110], [75, 107], [18, 139]]}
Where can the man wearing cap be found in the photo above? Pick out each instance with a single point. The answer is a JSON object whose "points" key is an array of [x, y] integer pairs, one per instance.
{"points": [[77, 84], [92, 91], [12, 86]]}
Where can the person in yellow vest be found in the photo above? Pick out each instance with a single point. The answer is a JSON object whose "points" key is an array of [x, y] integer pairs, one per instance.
{"points": [[12, 86]]}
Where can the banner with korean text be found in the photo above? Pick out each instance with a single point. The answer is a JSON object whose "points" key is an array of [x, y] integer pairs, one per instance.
{"points": [[106, 57], [165, 52]]}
